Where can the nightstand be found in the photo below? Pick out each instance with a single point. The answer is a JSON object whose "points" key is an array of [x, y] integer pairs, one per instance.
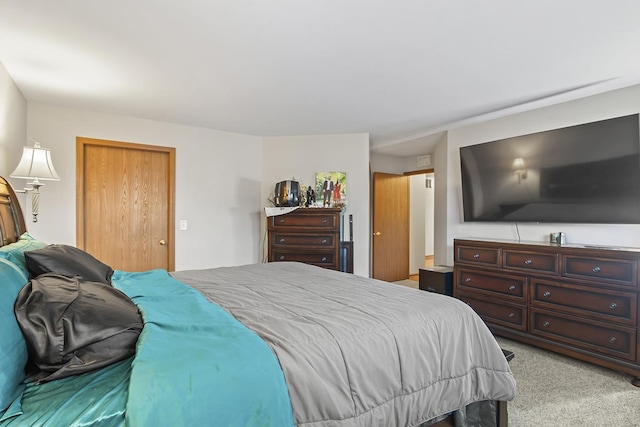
{"points": [[437, 279]]}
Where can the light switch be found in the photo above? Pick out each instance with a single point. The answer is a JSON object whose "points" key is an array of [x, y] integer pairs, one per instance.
{"points": [[183, 224]]}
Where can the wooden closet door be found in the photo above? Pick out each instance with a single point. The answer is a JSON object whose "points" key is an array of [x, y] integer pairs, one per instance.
{"points": [[390, 240], [125, 203]]}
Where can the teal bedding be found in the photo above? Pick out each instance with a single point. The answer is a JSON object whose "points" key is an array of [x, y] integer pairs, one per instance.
{"points": [[195, 365]]}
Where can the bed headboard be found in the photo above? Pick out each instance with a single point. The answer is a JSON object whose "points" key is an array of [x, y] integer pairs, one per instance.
{"points": [[12, 223]]}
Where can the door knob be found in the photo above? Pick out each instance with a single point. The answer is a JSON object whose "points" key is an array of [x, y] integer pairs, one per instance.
{"points": [[163, 242], [376, 233]]}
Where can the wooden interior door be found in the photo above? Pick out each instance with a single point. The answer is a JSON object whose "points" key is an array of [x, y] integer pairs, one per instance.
{"points": [[390, 227], [125, 203]]}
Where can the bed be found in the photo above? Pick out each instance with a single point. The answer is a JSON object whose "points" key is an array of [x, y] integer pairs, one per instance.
{"points": [[277, 344]]}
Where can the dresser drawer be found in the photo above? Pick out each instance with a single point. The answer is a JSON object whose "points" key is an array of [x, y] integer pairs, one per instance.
{"points": [[530, 262], [478, 255], [318, 221], [604, 338], [304, 240], [321, 259], [592, 302], [491, 283], [511, 315], [620, 271]]}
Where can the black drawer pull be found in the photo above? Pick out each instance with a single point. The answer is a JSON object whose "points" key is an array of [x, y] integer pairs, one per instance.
{"points": [[613, 306], [512, 315], [467, 279], [528, 261], [324, 258], [282, 240], [476, 256], [512, 287], [547, 294], [612, 340], [546, 324], [281, 257], [596, 269], [324, 241]]}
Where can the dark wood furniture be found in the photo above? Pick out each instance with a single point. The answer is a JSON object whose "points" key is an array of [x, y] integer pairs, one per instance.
{"points": [[308, 235], [12, 223], [437, 279], [580, 301]]}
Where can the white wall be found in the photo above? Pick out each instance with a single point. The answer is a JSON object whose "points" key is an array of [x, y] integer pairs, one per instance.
{"points": [[13, 127], [302, 156], [429, 225], [388, 164], [598, 107], [417, 222], [217, 182]]}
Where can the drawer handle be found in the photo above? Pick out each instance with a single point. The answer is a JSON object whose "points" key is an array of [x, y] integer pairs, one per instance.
{"points": [[467, 279], [613, 306], [281, 221], [324, 241], [324, 221], [612, 340], [476, 256], [547, 294], [281, 257], [512, 315], [282, 240], [528, 261], [324, 258], [596, 269], [546, 324], [512, 287]]}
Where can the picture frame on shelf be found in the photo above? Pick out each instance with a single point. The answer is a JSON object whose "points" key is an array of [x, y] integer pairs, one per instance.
{"points": [[331, 189]]}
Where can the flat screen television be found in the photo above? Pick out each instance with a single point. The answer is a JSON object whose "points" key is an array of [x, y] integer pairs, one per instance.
{"points": [[589, 173]]}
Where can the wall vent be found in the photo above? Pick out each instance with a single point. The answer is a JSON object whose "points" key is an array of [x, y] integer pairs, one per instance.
{"points": [[424, 161]]}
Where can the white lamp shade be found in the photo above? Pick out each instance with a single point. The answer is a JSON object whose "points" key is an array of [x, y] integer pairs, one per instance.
{"points": [[36, 163]]}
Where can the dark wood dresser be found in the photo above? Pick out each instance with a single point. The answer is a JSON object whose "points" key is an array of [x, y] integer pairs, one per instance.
{"points": [[580, 301], [309, 235]]}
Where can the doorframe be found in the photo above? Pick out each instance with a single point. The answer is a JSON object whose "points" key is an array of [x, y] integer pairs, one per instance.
{"points": [[81, 143]]}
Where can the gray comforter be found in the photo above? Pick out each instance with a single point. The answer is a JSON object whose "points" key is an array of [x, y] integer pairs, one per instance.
{"points": [[362, 352]]}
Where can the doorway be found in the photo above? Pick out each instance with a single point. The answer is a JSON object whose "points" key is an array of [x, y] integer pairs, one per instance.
{"points": [[421, 222]]}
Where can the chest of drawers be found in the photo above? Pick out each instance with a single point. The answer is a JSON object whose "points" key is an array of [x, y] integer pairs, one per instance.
{"points": [[309, 235], [575, 300]]}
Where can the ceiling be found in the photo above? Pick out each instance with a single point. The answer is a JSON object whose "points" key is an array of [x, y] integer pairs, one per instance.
{"points": [[403, 71]]}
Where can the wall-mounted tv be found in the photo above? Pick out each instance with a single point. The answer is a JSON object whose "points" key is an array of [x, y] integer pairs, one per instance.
{"points": [[588, 173]]}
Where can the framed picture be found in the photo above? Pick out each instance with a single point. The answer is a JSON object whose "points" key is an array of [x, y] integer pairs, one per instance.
{"points": [[331, 189]]}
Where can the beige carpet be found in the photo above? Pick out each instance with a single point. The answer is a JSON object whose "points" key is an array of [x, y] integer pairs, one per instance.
{"points": [[554, 390], [559, 391]]}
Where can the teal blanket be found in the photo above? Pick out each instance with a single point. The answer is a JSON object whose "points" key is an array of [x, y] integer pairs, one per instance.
{"points": [[195, 365]]}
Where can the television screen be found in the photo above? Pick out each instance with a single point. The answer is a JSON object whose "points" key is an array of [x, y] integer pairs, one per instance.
{"points": [[588, 173]]}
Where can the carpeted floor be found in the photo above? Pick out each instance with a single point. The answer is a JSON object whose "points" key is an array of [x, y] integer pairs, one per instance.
{"points": [[559, 391], [554, 390]]}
